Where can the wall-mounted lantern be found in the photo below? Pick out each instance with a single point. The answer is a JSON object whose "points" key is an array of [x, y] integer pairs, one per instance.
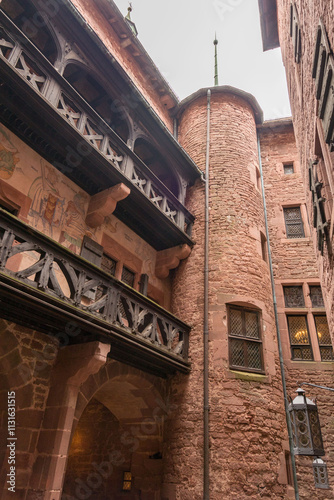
{"points": [[320, 474], [305, 426], [127, 481]]}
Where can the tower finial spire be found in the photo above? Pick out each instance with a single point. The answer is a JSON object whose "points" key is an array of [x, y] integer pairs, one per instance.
{"points": [[215, 43], [129, 20], [128, 16]]}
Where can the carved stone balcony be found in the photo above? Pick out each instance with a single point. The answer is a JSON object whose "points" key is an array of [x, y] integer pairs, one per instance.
{"points": [[46, 111], [46, 287]]}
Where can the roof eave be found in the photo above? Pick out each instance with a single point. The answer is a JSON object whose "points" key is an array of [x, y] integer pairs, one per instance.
{"points": [[269, 24], [228, 89]]}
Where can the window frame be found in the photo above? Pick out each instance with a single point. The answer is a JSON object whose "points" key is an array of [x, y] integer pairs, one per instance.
{"points": [[311, 311], [301, 222], [286, 166], [300, 346], [246, 340], [115, 261], [285, 297], [133, 273], [323, 315]]}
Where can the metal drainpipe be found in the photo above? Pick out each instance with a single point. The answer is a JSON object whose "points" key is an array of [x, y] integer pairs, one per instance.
{"points": [[286, 402], [206, 485]]}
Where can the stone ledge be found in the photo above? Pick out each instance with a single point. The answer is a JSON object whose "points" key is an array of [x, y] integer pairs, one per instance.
{"points": [[295, 240], [309, 365], [248, 376]]}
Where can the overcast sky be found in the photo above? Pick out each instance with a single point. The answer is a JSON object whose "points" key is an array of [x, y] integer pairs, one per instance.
{"points": [[179, 34]]}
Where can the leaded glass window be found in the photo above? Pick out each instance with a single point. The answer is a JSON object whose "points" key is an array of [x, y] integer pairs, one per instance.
{"points": [[324, 338], [293, 296], [245, 343], [299, 338], [316, 296], [293, 222]]}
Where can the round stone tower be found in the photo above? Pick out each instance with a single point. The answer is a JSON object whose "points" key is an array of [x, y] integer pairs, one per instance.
{"points": [[247, 428]]}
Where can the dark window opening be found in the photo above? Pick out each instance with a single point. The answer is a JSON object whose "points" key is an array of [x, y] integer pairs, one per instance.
{"points": [[10, 209], [327, 198], [288, 168], [25, 15], [288, 467], [245, 345], [293, 222], [156, 163], [128, 276], [258, 179], [108, 264], [316, 296], [97, 97], [301, 349], [264, 248], [293, 296]]}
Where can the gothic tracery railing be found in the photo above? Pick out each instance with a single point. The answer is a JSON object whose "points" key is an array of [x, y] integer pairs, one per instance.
{"points": [[46, 81], [31, 258]]}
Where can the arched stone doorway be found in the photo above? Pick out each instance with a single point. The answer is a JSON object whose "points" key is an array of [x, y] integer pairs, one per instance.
{"points": [[119, 430]]}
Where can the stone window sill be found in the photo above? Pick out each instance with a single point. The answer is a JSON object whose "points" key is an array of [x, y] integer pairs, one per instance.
{"points": [[248, 376], [310, 365], [296, 240]]}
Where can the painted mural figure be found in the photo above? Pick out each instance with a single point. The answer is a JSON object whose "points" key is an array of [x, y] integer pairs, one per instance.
{"points": [[8, 160], [74, 223], [47, 205]]}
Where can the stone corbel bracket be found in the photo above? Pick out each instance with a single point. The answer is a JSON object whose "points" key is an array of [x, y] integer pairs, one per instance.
{"points": [[170, 259], [103, 204]]}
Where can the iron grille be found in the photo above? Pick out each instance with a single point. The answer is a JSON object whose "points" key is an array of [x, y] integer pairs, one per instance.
{"points": [[236, 322], [293, 222], [251, 324], [299, 338], [254, 355], [324, 338], [245, 339], [293, 296], [128, 276], [316, 296]]}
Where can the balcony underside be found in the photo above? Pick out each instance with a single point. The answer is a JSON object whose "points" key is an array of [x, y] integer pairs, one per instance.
{"points": [[26, 307], [36, 123]]}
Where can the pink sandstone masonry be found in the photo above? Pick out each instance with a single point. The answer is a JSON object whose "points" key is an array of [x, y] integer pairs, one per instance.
{"points": [[104, 29], [294, 263], [246, 410], [308, 129]]}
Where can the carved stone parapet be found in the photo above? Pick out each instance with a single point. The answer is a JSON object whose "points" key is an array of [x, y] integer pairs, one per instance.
{"points": [[170, 259], [103, 204]]}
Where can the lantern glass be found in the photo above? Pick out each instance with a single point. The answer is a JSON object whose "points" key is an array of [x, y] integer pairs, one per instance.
{"points": [[320, 474], [127, 481], [305, 426]]}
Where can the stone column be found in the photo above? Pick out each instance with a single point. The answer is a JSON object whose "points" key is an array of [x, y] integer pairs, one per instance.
{"points": [[74, 365]]}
